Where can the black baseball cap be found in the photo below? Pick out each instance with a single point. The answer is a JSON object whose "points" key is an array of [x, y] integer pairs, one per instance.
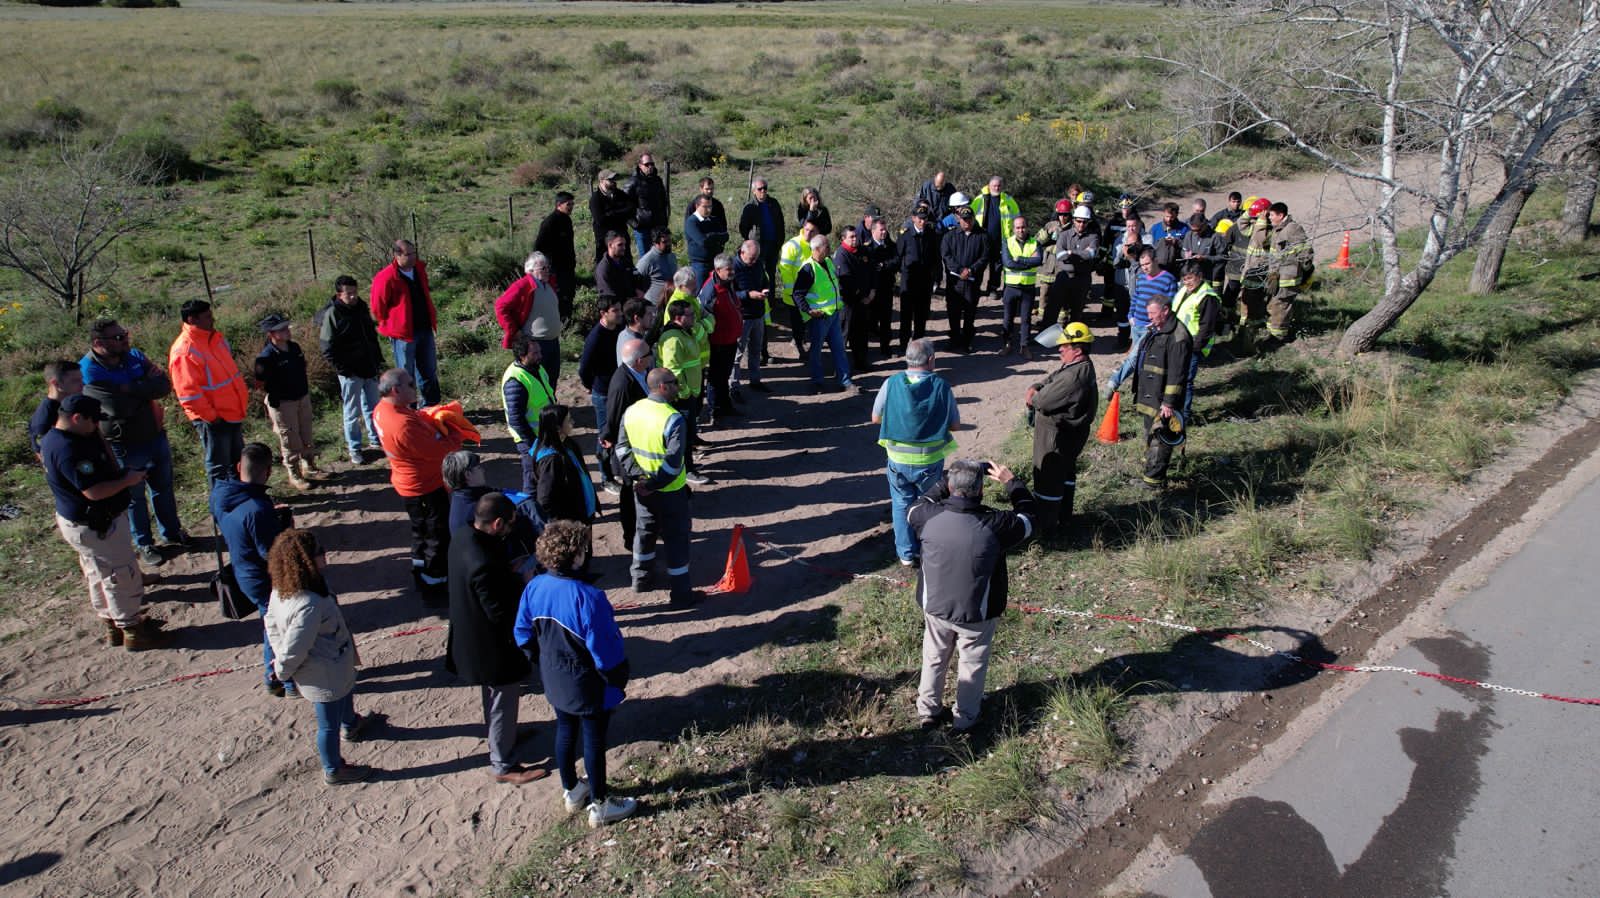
{"points": [[87, 406]]}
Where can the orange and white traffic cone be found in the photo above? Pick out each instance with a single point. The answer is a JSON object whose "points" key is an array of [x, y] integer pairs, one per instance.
{"points": [[1343, 262], [736, 576], [1112, 422]]}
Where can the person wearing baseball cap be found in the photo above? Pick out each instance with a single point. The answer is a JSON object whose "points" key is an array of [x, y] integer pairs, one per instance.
{"points": [[918, 258], [610, 210], [1063, 407], [91, 497], [280, 369]]}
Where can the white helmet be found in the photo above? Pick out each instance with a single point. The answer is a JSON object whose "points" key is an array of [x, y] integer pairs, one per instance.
{"points": [[1083, 213], [958, 199]]}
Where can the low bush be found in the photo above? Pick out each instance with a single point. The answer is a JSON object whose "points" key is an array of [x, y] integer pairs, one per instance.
{"points": [[616, 53], [164, 156], [340, 93], [246, 131], [688, 142], [59, 115]]}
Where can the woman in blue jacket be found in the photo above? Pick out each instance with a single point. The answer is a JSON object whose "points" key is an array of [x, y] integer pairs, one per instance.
{"points": [[569, 627]]}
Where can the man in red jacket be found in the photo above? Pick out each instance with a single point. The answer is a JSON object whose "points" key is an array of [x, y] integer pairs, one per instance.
{"points": [[403, 309], [716, 298]]}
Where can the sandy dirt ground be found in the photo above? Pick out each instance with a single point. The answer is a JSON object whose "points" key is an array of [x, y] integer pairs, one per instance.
{"points": [[210, 787]]}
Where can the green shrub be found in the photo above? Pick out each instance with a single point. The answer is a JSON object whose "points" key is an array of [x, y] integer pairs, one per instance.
{"points": [[143, 253], [616, 53], [273, 180], [688, 142], [165, 156], [335, 164], [58, 114], [246, 130], [838, 60], [341, 93], [456, 114]]}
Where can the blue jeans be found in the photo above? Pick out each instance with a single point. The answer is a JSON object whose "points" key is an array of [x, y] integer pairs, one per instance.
{"points": [[594, 750], [266, 646], [826, 329], [907, 483], [420, 357], [701, 271], [1125, 370], [360, 398], [641, 243], [752, 340], [221, 444], [341, 712], [598, 400], [155, 459]]}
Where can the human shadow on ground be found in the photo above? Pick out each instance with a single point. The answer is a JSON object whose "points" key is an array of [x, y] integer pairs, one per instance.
{"points": [[11, 717], [21, 868], [1256, 846]]}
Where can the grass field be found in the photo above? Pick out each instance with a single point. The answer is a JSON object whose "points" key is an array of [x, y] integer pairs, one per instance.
{"points": [[345, 119]]}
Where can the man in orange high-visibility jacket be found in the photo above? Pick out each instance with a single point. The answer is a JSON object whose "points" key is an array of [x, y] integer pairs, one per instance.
{"points": [[208, 386]]}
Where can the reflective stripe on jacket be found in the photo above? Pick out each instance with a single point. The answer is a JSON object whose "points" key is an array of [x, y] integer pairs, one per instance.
{"points": [[205, 377], [645, 424]]}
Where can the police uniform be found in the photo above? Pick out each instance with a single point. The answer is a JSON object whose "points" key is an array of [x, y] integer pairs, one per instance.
{"points": [[96, 529]]}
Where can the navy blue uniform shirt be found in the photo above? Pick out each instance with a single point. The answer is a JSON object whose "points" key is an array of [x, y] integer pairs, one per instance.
{"points": [[72, 464]]}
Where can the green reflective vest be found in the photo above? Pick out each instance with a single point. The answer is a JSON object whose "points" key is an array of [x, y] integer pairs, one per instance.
{"points": [[537, 387], [1008, 210], [1026, 277], [645, 422], [824, 293], [1186, 306], [790, 258]]}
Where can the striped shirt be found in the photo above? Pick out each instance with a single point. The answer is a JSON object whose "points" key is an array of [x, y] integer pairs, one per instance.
{"points": [[1147, 288]]}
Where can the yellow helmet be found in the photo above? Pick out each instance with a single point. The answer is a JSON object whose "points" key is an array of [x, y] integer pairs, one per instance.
{"points": [[1075, 332]]}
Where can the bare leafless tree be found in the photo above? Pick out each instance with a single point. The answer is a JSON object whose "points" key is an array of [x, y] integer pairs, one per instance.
{"points": [[58, 220], [1358, 85], [1583, 176]]}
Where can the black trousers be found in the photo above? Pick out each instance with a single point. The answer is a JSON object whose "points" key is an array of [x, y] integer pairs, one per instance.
{"points": [[430, 535], [916, 294], [1157, 454], [721, 370], [883, 316], [857, 324], [961, 307]]}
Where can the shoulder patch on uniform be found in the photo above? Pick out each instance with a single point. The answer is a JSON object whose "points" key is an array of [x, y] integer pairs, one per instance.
{"points": [[85, 467]]}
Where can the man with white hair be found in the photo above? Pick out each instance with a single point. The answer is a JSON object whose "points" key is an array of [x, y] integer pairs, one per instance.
{"points": [[531, 306], [962, 584], [818, 297], [915, 412]]}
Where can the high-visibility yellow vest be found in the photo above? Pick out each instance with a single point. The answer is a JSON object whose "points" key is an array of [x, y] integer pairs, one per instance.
{"points": [[1186, 306], [1008, 210], [790, 258], [1026, 277], [537, 386], [824, 293], [679, 352], [645, 422]]}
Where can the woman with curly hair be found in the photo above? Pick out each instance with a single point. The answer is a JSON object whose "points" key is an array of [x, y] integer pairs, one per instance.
{"points": [[571, 627], [312, 646]]}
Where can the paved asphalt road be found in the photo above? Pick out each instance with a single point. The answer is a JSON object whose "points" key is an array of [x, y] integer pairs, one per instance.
{"points": [[1412, 788]]}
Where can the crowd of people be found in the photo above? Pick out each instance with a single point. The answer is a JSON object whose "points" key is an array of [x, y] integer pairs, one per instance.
{"points": [[670, 357]]}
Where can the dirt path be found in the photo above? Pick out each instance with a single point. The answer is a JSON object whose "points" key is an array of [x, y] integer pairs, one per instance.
{"points": [[209, 787]]}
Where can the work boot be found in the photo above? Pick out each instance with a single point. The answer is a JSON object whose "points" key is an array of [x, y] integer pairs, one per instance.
{"points": [[113, 633], [295, 480], [144, 635], [1049, 518]]}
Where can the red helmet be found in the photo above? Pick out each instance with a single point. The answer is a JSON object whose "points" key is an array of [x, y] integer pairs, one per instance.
{"points": [[1063, 207], [1259, 206]]}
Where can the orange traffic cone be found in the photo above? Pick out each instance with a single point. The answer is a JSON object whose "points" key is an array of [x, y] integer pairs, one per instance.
{"points": [[1112, 422], [1343, 261], [736, 577]]}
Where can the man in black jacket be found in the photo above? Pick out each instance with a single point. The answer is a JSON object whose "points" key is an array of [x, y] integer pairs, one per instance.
{"points": [[627, 386], [762, 221], [610, 210], [884, 262], [349, 341], [555, 239], [650, 202], [1161, 372], [962, 583], [936, 193], [480, 647], [965, 253], [918, 249]]}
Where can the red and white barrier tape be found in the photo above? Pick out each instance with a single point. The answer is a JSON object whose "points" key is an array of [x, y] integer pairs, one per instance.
{"points": [[180, 678], [1225, 633]]}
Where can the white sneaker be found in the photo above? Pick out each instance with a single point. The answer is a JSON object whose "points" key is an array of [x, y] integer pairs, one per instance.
{"points": [[610, 811], [576, 797]]}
